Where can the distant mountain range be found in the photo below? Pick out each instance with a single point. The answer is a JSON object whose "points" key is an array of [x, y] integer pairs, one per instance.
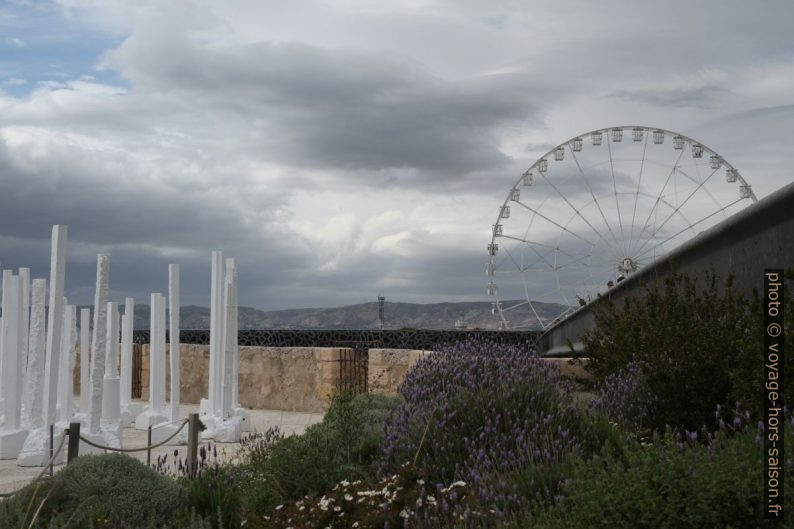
{"points": [[475, 314]]}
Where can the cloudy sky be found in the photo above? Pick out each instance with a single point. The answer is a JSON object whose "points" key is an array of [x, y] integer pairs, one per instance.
{"points": [[341, 149]]}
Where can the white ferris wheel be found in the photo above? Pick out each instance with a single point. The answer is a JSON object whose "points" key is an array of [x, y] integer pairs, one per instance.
{"points": [[597, 208]]}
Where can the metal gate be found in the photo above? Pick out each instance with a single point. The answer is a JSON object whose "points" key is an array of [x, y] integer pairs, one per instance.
{"points": [[137, 370], [354, 365]]}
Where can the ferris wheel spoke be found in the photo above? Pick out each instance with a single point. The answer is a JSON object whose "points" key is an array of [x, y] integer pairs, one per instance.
{"points": [[677, 209], [656, 205], [563, 228], [595, 200], [637, 194], [540, 257], [615, 188], [576, 211], [689, 227]]}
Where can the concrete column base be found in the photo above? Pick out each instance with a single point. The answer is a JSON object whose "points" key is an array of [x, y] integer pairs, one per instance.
{"points": [[129, 412], [245, 418], [36, 448], [221, 430], [11, 443]]}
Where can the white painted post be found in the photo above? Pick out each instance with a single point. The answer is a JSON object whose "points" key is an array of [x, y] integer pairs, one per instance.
{"points": [[173, 339], [12, 345], [37, 343], [98, 339], [126, 351], [35, 451], [154, 365], [154, 413], [216, 334], [66, 381], [228, 367], [161, 350], [111, 394], [12, 437], [85, 355], [3, 371], [54, 322], [24, 279]]}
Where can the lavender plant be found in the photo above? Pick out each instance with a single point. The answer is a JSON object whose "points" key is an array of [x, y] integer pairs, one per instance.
{"points": [[494, 416]]}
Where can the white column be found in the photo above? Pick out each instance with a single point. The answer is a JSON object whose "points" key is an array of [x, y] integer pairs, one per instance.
{"points": [[12, 437], [154, 413], [216, 334], [154, 365], [161, 348], [232, 331], [126, 351], [12, 348], [226, 390], [54, 319], [85, 355], [98, 339], [173, 338], [3, 371], [66, 381], [37, 343], [24, 286], [111, 394]]}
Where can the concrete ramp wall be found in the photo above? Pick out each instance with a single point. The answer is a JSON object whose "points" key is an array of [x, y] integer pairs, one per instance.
{"points": [[758, 237]]}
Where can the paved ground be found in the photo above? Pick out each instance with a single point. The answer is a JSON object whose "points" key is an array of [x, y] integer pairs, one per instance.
{"points": [[13, 477]]}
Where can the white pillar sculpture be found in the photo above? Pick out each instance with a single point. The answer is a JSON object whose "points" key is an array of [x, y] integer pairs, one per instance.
{"points": [[12, 436], [221, 424], [111, 392], [5, 278], [129, 409], [98, 339], [232, 340], [166, 431], [153, 414], [85, 355], [66, 381], [24, 289], [37, 342], [35, 452]]}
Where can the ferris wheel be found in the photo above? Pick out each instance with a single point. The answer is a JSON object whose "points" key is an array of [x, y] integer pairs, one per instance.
{"points": [[594, 210]]}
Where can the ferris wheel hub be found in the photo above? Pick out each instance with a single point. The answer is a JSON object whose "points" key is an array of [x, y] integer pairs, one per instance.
{"points": [[627, 266]]}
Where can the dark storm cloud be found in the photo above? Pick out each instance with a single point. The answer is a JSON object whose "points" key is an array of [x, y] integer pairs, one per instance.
{"points": [[338, 110]]}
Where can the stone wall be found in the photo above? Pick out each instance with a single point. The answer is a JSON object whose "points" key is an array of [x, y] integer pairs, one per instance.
{"points": [[387, 368], [293, 378], [277, 378]]}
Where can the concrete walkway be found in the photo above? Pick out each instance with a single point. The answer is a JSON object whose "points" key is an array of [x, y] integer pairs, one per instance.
{"points": [[13, 477]]}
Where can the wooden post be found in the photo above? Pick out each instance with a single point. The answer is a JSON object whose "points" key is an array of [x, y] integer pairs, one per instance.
{"points": [[149, 444], [52, 426], [192, 442], [74, 441]]}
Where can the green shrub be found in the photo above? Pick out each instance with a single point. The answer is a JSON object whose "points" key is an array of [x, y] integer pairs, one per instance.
{"points": [[214, 495], [662, 486], [343, 446], [99, 491], [698, 346]]}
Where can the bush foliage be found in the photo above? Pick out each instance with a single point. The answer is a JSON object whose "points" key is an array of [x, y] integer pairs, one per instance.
{"points": [[99, 491], [699, 344], [669, 484]]}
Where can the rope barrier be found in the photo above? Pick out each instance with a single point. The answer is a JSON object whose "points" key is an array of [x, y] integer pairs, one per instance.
{"points": [[148, 447], [43, 470]]}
